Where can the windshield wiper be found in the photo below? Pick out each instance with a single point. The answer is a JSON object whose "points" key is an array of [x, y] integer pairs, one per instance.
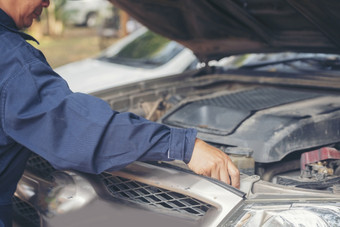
{"points": [[317, 62], [144, 63]]}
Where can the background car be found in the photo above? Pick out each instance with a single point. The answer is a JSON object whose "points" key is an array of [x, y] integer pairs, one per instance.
{"points": [[85, 12], [143, 55], [267, 94]]}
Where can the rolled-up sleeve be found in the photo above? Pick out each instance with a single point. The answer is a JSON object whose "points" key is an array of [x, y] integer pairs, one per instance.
{"points": [[79, 131]]}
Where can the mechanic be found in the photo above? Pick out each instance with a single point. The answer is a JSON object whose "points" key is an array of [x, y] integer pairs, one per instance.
{"points": [[76, 131]]}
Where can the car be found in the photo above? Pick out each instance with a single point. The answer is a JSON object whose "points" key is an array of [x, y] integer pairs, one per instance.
{"points": [[267, 93], [85, 12], [142, 55]]}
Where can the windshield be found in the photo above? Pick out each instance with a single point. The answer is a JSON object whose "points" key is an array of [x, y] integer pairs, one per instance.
{"points": [[148, 50]]}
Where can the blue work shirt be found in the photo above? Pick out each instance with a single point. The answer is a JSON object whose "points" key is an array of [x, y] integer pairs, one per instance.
{"points": [[39, 113]]}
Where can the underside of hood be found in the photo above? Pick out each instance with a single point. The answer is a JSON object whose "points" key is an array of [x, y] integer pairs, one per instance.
{"points": [[214, 29]]}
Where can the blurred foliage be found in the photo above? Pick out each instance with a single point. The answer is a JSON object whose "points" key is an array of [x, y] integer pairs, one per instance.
{"points": [[63, 44], [51, 22], [75, 44], [58, 10]]}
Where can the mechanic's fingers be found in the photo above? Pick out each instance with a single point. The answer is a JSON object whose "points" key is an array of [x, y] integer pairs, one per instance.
{"points": [[210, 161], [234, 174], [214, 173], [219, 170], [224, 174]]}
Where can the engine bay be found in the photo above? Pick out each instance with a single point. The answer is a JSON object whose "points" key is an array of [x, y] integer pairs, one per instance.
{"points": [[265, 128], [278, 128]]}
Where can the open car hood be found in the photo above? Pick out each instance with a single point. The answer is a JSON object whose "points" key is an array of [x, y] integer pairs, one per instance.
{"points": [[242, 26]]}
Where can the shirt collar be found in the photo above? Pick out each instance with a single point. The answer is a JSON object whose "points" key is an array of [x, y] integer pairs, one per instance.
{"points": [[8, 23]]}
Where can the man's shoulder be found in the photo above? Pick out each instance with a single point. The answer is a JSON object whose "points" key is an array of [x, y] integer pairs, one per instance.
{"points": [[10, 40], [16, 54], [14, 45]]}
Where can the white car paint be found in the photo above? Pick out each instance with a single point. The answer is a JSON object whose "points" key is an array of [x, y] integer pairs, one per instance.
{"points": [[92, 75]]}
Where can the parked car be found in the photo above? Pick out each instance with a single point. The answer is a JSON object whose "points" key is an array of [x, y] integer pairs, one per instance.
{"points": [[140, 56], [267, 94], [85, 12]]}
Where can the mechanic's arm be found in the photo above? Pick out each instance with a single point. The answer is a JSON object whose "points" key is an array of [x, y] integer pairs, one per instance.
{"points": [[83, 133], [210, 161]]}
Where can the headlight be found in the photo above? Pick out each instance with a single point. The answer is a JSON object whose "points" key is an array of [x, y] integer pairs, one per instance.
{"points": [[71, 192], [288, 214]]}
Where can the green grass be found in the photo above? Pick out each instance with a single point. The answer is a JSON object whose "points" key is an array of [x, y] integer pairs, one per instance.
{"points": [[74, 45]]}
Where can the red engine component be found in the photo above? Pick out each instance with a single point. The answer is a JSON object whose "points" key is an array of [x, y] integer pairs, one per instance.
{"points": [[319, 155]]}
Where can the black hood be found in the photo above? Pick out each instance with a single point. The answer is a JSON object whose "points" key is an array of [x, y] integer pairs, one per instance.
{"points": [[214, 29]]}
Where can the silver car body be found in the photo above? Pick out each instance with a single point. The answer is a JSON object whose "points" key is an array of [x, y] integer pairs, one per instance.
{"points": [[267, 94]]}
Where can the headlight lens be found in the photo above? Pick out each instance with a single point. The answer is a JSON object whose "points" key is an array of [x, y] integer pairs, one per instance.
{"points": [[288, 214]]}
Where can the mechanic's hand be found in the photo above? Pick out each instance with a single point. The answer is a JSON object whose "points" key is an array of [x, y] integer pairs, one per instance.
{"points": [[212, 162]]}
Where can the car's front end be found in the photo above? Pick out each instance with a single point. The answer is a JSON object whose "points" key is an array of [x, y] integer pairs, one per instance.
{"points": [[267, 94], [160, 195]]}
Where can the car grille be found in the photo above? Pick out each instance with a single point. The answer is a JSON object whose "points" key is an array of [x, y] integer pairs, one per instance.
{"points": [[159, 198], [27, 214], [40, 166], [133, 191]]}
